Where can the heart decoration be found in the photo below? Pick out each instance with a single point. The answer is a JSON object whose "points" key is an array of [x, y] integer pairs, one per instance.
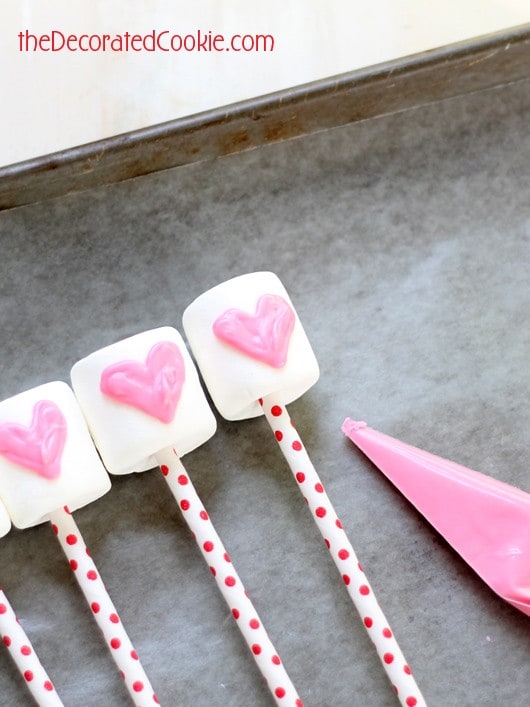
{"points": [[38, 447], [154, 387], [264, 335]]}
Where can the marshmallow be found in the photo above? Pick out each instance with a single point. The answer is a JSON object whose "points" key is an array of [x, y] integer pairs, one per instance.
{"points": [[142, 395], [5, 521], [248, 342], [47, 458]]}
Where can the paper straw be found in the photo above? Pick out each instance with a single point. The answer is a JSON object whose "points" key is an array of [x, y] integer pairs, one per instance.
{"points": [[103, 610], [343, 554], [227, 579], [19, 646]]}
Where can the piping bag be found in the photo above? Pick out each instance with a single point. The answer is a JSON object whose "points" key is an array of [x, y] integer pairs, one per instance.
{"points": [[485, 520]]}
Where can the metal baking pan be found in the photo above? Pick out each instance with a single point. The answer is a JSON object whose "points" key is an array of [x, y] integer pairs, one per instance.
{"points": [[359, 95], [399, 221]]}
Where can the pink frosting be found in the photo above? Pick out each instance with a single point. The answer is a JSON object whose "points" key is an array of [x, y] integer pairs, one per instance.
{"points": [[485, 520], [154, 387], [38, 447], [264, 335]]}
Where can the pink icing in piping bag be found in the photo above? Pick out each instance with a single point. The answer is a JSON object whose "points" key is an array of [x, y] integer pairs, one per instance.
{"points": [[485, 520]]}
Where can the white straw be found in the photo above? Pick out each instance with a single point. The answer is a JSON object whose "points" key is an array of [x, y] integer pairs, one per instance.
{"points": [[343, 554], [18, 644], [102, 608], [227, 579]]}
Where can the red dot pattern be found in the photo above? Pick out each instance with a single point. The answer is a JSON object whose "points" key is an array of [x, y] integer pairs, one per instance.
{"points": [[103, 610], [336, 541], [228, 582], [16, 641]]}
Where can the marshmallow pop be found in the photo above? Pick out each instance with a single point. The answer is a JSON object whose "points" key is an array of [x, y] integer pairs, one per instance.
{"points": [[145, 407], [255, 358], [19, 646], [49, 467]]}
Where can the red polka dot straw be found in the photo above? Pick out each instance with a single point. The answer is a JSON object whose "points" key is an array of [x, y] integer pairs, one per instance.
{"points": [[228, 581], [103, 609], [343, 554], [18, 644]]}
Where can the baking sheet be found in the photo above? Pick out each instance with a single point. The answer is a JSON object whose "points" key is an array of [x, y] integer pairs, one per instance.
{"points": [[404, 242], [443, 72]]}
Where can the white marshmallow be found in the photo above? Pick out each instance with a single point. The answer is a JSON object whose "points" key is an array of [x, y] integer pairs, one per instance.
{"points": [[5, 521], [150, 399], [252, 364], [47, 458]]}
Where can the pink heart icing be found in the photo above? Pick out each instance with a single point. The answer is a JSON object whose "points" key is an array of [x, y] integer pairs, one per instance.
{"points": [[154, 387], [38, 447], [264, 335]]}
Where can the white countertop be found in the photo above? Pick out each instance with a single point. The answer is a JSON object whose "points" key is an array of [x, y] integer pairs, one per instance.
{"points": [[58, 99]]}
